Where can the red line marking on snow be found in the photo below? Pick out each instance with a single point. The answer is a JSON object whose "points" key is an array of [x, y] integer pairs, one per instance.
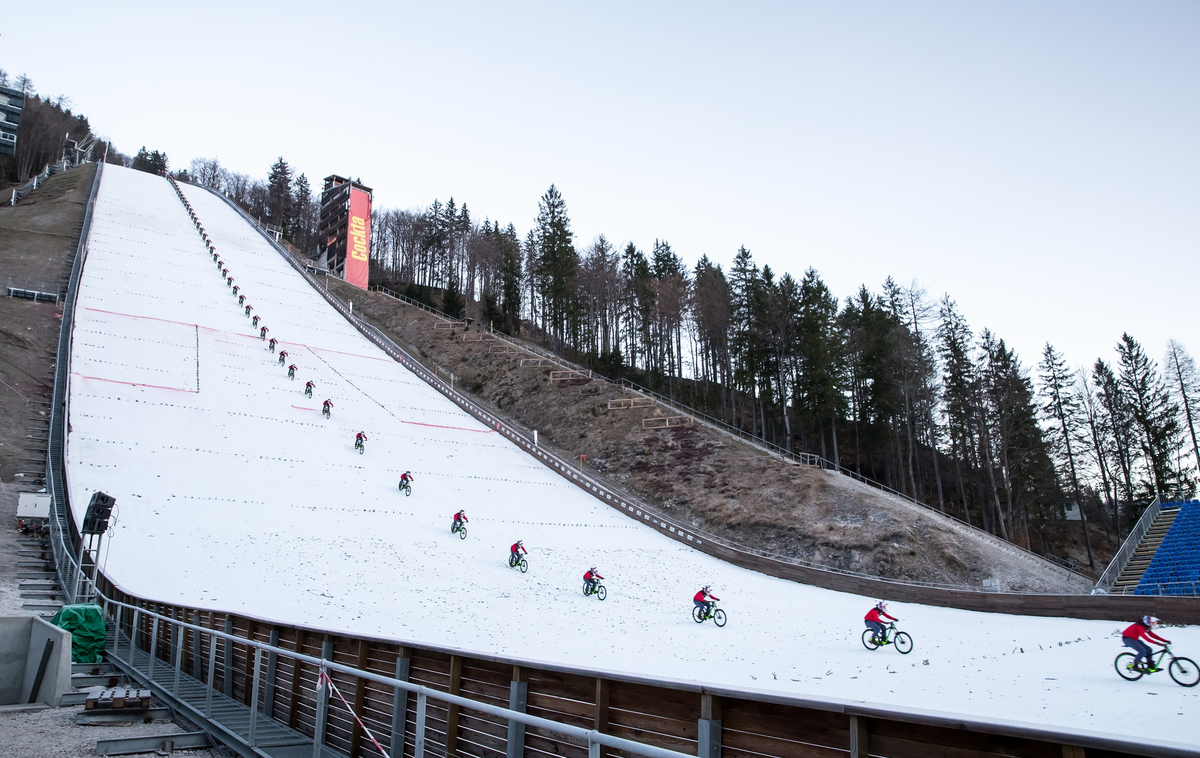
{"points": [[355, 355], [458, 428], [302, 408], [132, 384]]}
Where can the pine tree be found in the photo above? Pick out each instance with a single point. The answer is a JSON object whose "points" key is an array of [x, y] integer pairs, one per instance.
{"points": [[1119, 423], [279, 196], [150, 162], [1062, 409], [958, 380], [1154, 415], [558, 262], [819, 398]]}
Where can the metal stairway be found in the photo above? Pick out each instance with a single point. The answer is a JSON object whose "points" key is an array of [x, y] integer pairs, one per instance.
{"points": [[1133, 571]]}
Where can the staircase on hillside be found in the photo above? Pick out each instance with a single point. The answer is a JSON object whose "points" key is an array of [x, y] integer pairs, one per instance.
{"points": [[1132, 573]]}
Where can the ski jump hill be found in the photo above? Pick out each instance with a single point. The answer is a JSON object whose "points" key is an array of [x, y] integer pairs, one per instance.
{"points": [[234, 494]]}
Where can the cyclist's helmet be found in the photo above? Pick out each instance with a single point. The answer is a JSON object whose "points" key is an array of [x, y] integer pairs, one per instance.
{"points": [[593, 568], [1149, 622], [707, 588], [881, 605]]}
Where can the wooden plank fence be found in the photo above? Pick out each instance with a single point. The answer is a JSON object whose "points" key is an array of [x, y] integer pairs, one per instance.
{"points": [[698, 720]]}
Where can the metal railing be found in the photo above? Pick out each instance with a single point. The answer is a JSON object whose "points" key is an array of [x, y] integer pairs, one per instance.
{"points": [[1168, 589], [62, 540], [1128, 547], [173, 674]]}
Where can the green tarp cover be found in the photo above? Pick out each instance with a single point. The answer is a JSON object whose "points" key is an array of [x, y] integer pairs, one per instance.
{"points": [[85, 622]]}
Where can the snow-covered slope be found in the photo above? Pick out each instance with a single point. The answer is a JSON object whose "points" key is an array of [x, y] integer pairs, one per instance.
{"points": [[234, 493]]}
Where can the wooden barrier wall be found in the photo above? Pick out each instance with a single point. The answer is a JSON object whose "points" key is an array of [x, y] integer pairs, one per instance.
{"points": [[703, 721]]}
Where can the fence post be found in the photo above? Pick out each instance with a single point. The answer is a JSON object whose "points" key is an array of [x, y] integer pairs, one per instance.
{"points": [[419, 742], [153, 648], [212, 672], [452, 709], [228, 662], [708, 740], [518, 695], [272, 668], [135, 631], [400, 703], [254, 694], [860, 744], [178, 638], [322, 712]]}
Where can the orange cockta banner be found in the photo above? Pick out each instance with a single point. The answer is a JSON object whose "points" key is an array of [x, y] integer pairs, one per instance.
{"points": [[358, 238]]}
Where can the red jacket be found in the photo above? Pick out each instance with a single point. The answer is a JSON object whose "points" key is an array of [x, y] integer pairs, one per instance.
{"points": [[1139, 631], [517, 547], [878, 616], [460, 516], [702, 597], [590, 575]]}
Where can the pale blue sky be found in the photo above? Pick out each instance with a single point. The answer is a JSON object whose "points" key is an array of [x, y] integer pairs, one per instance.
{"points": [[1039, 161]]}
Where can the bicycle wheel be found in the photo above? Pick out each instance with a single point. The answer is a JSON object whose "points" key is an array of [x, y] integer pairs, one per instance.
{"points": [[585, 590], [1184, 672], [903, 643], [869, 640], [601, 592], [408, 493], [524, 565], [719, 617], [697, 616], [1124, 666], [462, 532], [361, 449]]}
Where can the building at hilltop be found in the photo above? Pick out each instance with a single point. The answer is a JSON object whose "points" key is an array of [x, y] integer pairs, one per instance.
{"points": [[12, 101], [344, 230]]}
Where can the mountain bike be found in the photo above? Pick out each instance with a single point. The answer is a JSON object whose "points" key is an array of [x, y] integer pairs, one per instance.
{"points": [[360, 447], [699, 615], [325, 411], [515, 561], [1182, 670], [406, 488], [598, 590], [459, 528], [891, 636]]}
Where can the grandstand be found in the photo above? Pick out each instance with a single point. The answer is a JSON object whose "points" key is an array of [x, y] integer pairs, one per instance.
{"points": [[1174, 568], [1161, 555]]}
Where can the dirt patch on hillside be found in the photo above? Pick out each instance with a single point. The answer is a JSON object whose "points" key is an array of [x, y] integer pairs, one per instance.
{"points": [[38, 238], [712, 480]]}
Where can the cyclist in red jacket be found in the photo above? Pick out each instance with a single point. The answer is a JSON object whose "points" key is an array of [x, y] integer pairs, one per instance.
{"points": [[309, 386], [283, 354], [1133, 636], [704, 599], [592, 577], [515, 552], [874, 620], [460, 518], [291, 369]]}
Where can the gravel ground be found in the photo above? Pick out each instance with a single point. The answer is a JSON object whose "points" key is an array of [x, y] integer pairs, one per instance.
{"points": [[53, 733]]}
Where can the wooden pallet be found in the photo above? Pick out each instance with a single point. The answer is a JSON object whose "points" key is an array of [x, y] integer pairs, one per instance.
{"points": [[119, 698]]}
